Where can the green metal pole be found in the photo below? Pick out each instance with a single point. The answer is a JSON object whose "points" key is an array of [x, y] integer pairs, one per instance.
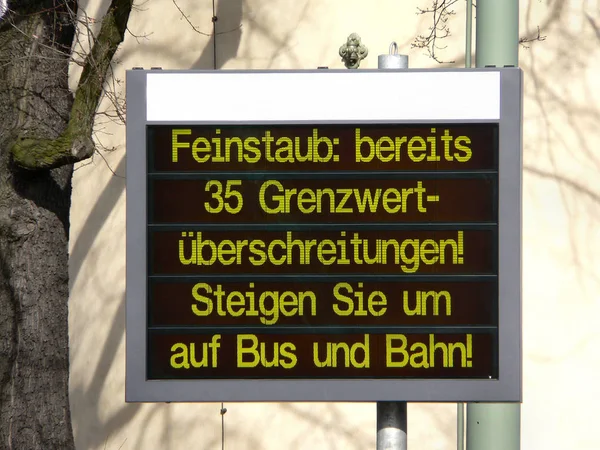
{"points": [[460, 426], [497, 33], [468, 37], [495, 426]]}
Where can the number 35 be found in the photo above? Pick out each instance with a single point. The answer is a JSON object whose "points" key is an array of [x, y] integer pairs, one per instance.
{"points": [[232, 201]]}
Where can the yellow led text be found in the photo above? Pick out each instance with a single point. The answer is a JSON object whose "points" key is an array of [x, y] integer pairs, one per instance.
{"points": [[267, 307], [342, 354], [184, 355], [274, 198], [425, 354], [407, 253], [219, 149], [417, 149], [251, 353]]}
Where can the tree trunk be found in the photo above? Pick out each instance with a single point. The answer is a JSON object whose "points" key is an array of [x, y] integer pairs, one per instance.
{"points": [[35, 103]]}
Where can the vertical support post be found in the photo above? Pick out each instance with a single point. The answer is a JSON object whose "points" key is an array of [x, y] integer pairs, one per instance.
{"points": [[391, 426], [391, 416], [469, 34], [460, 426], [497, 33], [495, 426]]}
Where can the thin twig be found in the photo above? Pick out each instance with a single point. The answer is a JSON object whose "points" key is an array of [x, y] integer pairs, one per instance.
{"points": [[196, 29]]}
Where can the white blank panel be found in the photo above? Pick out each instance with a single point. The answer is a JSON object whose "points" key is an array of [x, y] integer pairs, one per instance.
{"points": [[323, 96]]}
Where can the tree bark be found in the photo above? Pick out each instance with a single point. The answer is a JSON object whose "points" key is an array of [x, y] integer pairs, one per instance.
{"points": [[44, 129], [35, 102]]}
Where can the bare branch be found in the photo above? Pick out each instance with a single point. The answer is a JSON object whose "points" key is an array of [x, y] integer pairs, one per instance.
{"points": [[137, 37], [196, 29], [108, 165], [186, 17], [441, 11], [526, 39]]}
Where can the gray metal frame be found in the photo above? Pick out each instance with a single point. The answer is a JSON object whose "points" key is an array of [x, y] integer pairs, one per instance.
{"points": [[508, 386]]}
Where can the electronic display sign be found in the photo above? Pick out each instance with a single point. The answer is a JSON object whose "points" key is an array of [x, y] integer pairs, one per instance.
{"points": [[342, 260]]}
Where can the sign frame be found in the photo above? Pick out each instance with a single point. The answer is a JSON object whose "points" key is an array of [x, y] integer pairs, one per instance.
{"points": [[472, 95]]}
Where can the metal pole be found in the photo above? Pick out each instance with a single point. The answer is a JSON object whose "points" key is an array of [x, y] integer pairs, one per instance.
{"points": [[495, 426], [460, 426], [469, 34], [391, 416], [391, 426], [497, 33]]}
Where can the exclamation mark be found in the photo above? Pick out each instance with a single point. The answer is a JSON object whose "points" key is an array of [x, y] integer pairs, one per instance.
{"points": [[460, 248], [469, 350]]}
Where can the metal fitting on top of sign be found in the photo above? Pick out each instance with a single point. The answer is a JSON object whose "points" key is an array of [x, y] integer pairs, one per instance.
{"points": [[392, 60], [353, 52]]}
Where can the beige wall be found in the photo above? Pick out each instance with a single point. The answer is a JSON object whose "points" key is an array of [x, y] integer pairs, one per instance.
{"points": [[561, 304]]}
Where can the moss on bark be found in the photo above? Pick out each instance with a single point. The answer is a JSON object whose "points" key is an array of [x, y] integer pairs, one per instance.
{"points": [[75, 144]]}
